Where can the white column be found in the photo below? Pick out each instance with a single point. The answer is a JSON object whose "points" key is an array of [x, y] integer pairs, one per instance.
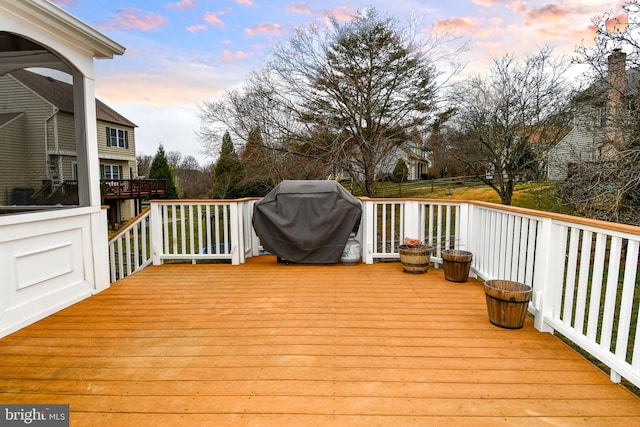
{"points": [[548, 272], [86, 141]]}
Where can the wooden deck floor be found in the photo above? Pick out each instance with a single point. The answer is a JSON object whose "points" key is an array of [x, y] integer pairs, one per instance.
{"points": [[296, 345]]}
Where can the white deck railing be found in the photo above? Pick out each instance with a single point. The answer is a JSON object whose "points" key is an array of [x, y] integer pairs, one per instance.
{"points": [[130, 248], [584, 273]]}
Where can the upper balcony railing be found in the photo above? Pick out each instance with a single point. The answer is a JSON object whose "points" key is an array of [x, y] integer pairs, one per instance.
{"points": [[584, 273], [120, 189]]}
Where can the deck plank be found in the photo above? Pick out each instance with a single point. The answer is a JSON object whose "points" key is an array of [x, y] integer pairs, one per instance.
{"points": [[269, 344]]}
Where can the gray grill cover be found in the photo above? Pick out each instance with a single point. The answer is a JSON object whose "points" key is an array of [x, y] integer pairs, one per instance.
{"points": [[306, 221]]}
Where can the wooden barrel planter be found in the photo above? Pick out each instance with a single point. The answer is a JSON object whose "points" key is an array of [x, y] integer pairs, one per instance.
{"points": [[456, 264], [415, 259], [507, 302]]}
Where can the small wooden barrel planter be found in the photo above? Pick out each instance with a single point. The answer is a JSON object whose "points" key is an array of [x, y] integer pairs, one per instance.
{"points": [[415, 259], [456, 264], [507, 302]]}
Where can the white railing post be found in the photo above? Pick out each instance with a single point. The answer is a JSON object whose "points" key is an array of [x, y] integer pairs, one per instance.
{"points": [[255, 240], [411, 220], [156, 233], [548, 278], [237, 251], [463, 226], [367, 226], [100, 227]]}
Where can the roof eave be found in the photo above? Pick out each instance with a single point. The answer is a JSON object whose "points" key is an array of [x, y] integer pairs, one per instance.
{"points": [[55, 20]]}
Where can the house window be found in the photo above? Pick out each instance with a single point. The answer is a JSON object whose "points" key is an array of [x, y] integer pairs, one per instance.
{"points": [[111, 172], [74, 171], [117, 138], [603, 116]]}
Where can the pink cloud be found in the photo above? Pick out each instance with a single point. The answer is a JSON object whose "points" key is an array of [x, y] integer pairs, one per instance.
{"points": [[489, 3], [229, 57], [182, 5], [618, 23], [300, 8], [554, 12], [196, 28], [517, 6], [213, 19], [485, 33], [266, 29], [456, 25], [342, 13], [245, 2], [131, 19]]}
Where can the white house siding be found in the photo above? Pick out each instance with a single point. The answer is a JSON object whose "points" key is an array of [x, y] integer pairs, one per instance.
{"points": [[578, 146], [66, 141], [14, 154], [14, 98], [65, 145]]}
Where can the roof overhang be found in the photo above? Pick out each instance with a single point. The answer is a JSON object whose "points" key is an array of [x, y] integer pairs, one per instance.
{"points": [[59, 24]]}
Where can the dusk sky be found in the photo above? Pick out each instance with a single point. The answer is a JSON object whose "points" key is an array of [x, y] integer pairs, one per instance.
{"points": [[181, 53]]}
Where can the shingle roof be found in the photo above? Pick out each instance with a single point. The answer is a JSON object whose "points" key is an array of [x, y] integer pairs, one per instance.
{"points": [[60, 94]]}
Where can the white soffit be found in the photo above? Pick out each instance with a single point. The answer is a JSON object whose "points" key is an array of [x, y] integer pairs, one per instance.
{"points": [[62, 25]]}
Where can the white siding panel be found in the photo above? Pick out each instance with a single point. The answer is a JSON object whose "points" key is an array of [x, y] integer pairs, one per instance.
{"points": [[15, 98], [578, 145], [13, 159]]}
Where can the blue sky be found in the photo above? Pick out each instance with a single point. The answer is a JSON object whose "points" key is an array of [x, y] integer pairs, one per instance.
{"points": [[183, 52]]}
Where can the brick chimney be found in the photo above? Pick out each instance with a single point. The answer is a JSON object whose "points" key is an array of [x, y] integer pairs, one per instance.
{"points": [[616, 85]]}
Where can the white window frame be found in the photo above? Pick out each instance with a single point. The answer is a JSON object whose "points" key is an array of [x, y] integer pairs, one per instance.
{"points": [[107, 172], [117, 137]]}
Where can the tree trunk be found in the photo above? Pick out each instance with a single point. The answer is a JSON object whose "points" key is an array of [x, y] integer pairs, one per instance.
{"points": [[507, 192]]}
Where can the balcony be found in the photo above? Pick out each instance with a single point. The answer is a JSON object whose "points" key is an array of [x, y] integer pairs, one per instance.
{"points": [[233, 336], [583, 272], [264, 343], [121, 189]]}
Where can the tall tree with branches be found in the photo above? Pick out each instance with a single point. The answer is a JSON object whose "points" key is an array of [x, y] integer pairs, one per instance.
{"points": [[506, 120], [348, 94]]}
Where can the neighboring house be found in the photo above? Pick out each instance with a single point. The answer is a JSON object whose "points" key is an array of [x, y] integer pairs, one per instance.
{"points": [[51, 256], [599, 122], [417, 161], [42, 141], [414, 156], [39, 154]]}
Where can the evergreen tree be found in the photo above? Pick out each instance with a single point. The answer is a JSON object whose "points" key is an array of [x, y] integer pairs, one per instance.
{"points": [[401, 171], [228, 172], [160, 169]]}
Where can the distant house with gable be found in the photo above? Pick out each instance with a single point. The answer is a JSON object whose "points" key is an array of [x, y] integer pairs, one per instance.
{"points": [[39, 162], [600, 120]]}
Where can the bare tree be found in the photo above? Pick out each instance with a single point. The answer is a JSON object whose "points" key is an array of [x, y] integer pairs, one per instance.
{"points": [[506, 120], [174, 158], [607, 185], [348, 94], [144, 164]]}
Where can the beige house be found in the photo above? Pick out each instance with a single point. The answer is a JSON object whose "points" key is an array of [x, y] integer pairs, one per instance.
{"points": [[39, 160]]}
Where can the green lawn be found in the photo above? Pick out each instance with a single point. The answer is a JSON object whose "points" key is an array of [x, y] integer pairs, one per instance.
{"points": [[535, 195]]}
